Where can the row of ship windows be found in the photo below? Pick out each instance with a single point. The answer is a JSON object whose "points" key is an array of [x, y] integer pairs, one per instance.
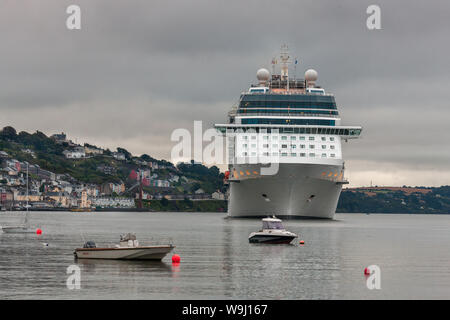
{"points": [[291, 154], [245, 111], [262, 129], [285, 146], [296, 98], [287, 104], [292, 138], [309, 122]]}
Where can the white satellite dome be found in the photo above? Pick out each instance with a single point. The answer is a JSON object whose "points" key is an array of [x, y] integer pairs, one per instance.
{"points": [[262, 75], [311, 75]]}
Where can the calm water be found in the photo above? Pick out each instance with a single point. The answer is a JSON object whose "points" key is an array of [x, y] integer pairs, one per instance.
{"points": [[217, 262]]}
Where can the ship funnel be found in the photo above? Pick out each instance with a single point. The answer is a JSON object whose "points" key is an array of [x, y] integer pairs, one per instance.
{"points": [[263, 76], [311, 77]]}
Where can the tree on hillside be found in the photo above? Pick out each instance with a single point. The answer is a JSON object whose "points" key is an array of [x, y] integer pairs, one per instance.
{"points": [[147, 158], [40, 134], [125, 152], [24, 135], [8, 133], [164, 202], [91, 146]]}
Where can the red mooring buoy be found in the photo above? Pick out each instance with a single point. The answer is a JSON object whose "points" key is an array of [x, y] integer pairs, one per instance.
{"points": [[176, 258], [367, 272], [38, 231]]}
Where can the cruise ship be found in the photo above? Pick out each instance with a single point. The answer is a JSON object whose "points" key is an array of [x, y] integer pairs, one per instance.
{"points": [[284, 149]]}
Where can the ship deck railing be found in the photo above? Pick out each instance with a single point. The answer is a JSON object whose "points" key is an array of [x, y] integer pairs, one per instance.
{"points": [[239, 114], [291, 91], [346, 132]]}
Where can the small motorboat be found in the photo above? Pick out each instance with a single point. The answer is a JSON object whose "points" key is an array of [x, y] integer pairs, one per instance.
{"points": [[18, 229], [272, 232], [127, 249]]}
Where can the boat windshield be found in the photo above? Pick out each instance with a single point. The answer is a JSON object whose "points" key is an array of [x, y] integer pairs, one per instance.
{"points": [[128, 236], [272, 225]]}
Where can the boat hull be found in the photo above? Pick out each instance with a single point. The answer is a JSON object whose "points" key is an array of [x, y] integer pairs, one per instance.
{"points": [[297, 190], [18, 229], [139, 253], [271, 239]]}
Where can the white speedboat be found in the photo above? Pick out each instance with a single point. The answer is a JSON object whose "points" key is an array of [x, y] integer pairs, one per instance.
{"points": [[127, 249], [272, 232]]}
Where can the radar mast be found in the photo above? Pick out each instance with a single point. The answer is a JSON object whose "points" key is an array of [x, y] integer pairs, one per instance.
{"points": [[285, 61]]}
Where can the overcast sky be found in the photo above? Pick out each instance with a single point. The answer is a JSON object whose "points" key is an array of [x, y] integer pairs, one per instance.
{"points": [[137, 70]]}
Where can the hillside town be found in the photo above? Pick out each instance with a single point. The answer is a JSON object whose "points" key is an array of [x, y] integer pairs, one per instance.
{"points": [[124, 181]]}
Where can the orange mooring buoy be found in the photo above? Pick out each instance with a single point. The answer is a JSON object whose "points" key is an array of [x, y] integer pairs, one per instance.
{"points": [[176, 258]]}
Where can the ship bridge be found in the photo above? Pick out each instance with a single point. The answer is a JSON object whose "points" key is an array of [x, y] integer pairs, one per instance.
{"points": [[277, 105], [279, 100], [274, 108]]}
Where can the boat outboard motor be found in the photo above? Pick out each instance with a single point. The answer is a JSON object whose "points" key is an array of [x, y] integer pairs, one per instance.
{"points": [[89, 244]]}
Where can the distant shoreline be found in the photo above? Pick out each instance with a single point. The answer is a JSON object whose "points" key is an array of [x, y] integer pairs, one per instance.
{"points": [[188, 211], [398, 213], [155, 206]]}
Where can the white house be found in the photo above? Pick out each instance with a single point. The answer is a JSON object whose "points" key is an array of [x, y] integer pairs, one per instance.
{"points": [[3, 154], [92, 150], [118, 156], [218, 195], [77, 153], [30, 152]]}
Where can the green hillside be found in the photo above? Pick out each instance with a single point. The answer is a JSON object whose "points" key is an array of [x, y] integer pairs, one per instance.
{"points": [[435, 200], [48, 154]]}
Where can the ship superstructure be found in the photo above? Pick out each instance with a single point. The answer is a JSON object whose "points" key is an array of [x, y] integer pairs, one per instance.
{"points": [[284, 147]]}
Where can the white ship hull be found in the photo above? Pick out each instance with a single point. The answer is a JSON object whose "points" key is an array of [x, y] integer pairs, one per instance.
{"points": [[297, 190]]}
